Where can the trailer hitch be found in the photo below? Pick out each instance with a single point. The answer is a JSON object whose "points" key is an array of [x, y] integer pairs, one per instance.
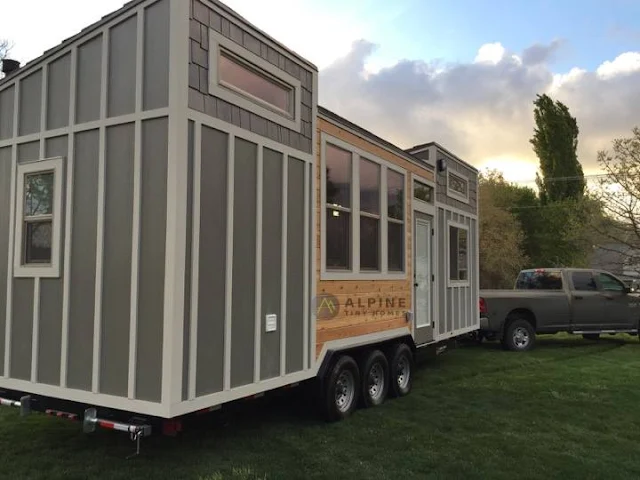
{"points": [[136, 432]]}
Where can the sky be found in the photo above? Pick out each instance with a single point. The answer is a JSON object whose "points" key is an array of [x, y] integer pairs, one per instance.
{"points": [[463, 73]]}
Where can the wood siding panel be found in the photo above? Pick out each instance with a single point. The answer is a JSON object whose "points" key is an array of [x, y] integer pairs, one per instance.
{"points": [[368, 320]]}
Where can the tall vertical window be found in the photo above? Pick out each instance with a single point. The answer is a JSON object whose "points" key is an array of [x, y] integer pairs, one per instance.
{"points": [[458, 254], [338, 198], [363, 229], [39, 214], [369, 215], [395, 204]]}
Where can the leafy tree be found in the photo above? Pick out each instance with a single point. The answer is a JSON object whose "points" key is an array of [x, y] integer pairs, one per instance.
{"points": [[501, 235], [5, 47], [619, 193], [555, 142], [553, 235]]}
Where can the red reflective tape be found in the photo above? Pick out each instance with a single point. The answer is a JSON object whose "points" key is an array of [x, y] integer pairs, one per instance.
{"points": [[104, 424]]}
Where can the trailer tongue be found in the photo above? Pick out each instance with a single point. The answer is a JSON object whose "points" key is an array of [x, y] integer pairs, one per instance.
{"points": [[90, 423]]}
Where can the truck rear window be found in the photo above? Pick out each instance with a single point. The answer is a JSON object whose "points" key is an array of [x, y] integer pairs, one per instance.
{"points": [[539, 280]]}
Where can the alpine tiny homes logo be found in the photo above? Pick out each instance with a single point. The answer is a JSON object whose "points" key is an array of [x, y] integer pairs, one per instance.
{"points": [[327, 306]]}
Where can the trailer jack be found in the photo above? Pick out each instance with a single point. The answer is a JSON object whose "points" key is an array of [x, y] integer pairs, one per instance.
{"points": [[24, 404], [136, 432]]}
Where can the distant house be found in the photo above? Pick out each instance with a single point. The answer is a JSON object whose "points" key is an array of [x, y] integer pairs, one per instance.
{"points": [[617, 258]]}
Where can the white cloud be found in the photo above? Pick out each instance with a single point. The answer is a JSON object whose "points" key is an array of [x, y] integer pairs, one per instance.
{"points": [[490, 53], [482, 110], [625, 63], [566, 79]]}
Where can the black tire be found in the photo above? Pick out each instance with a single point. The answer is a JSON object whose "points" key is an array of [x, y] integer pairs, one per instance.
{"points": [[374, 379], [519, 336], [341, 388], [591, 336], [401, 365]]}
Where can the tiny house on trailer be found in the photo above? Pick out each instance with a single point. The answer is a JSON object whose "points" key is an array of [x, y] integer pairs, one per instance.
{"points": [[181, 226]]}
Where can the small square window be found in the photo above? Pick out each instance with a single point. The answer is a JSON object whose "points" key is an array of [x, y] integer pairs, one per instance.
{"points": [[39, 218], [422, 191]]}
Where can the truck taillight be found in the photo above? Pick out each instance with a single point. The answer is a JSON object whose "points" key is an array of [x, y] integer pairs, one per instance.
{"points": [[483, 306]]}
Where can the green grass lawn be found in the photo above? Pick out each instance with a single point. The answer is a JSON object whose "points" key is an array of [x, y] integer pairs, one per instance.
{"points": [[568, 409]]}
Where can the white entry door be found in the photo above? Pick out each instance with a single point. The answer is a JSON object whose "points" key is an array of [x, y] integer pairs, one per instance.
{"points": [[423, 279]]}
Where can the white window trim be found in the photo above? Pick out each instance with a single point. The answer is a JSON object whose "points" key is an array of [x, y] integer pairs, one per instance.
{"points": [[457, 195], [354, 273], [243, 99], [457, 283], [51, 270]]}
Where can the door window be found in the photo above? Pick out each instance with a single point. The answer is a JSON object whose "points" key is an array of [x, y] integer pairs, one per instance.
{"points": [[610, 284], [584, 282]]}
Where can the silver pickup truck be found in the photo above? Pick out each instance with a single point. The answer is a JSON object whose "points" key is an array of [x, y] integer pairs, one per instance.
{"points": [[552, 300]]}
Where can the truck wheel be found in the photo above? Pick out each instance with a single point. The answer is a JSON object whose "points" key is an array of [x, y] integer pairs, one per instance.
{"points": [[341, 389], [401, 370], [519, 336], [375, 379], [591, 336]]}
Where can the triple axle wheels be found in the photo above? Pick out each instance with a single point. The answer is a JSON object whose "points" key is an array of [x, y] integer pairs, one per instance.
{"points": [[368, 382]]}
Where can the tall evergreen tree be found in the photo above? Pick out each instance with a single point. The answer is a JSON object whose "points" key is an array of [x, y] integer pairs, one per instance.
{"points": [[555, 142]]}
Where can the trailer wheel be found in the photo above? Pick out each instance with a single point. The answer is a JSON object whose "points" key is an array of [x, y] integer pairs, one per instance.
{"points": [[519, 336], [375, 379], [341, 389], [401, 370]]}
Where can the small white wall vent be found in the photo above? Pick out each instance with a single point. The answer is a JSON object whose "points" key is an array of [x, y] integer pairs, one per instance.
{"points": [[271, 323]]}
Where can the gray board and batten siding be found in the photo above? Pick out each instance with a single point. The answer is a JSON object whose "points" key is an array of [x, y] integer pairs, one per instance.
{"points": [[94, 333], [432, 154], [249, 243], [456, 306], [204, 20]]}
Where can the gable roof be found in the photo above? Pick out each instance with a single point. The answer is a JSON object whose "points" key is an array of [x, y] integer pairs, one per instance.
{"points": [[324, 112], [85, 32], [424, 146]]}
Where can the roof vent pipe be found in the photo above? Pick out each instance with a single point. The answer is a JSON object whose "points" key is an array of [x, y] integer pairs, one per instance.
{"points": [[10, 66]]}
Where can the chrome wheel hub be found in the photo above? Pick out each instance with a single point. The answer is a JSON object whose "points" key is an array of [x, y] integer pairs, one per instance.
{"points": [[404, 372], [376, 381], [521, 337], [345, 390]]}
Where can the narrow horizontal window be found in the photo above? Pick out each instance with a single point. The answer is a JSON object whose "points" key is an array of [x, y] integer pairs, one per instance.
{"points": [[422, 191], [251, 81], [458, 185]]}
